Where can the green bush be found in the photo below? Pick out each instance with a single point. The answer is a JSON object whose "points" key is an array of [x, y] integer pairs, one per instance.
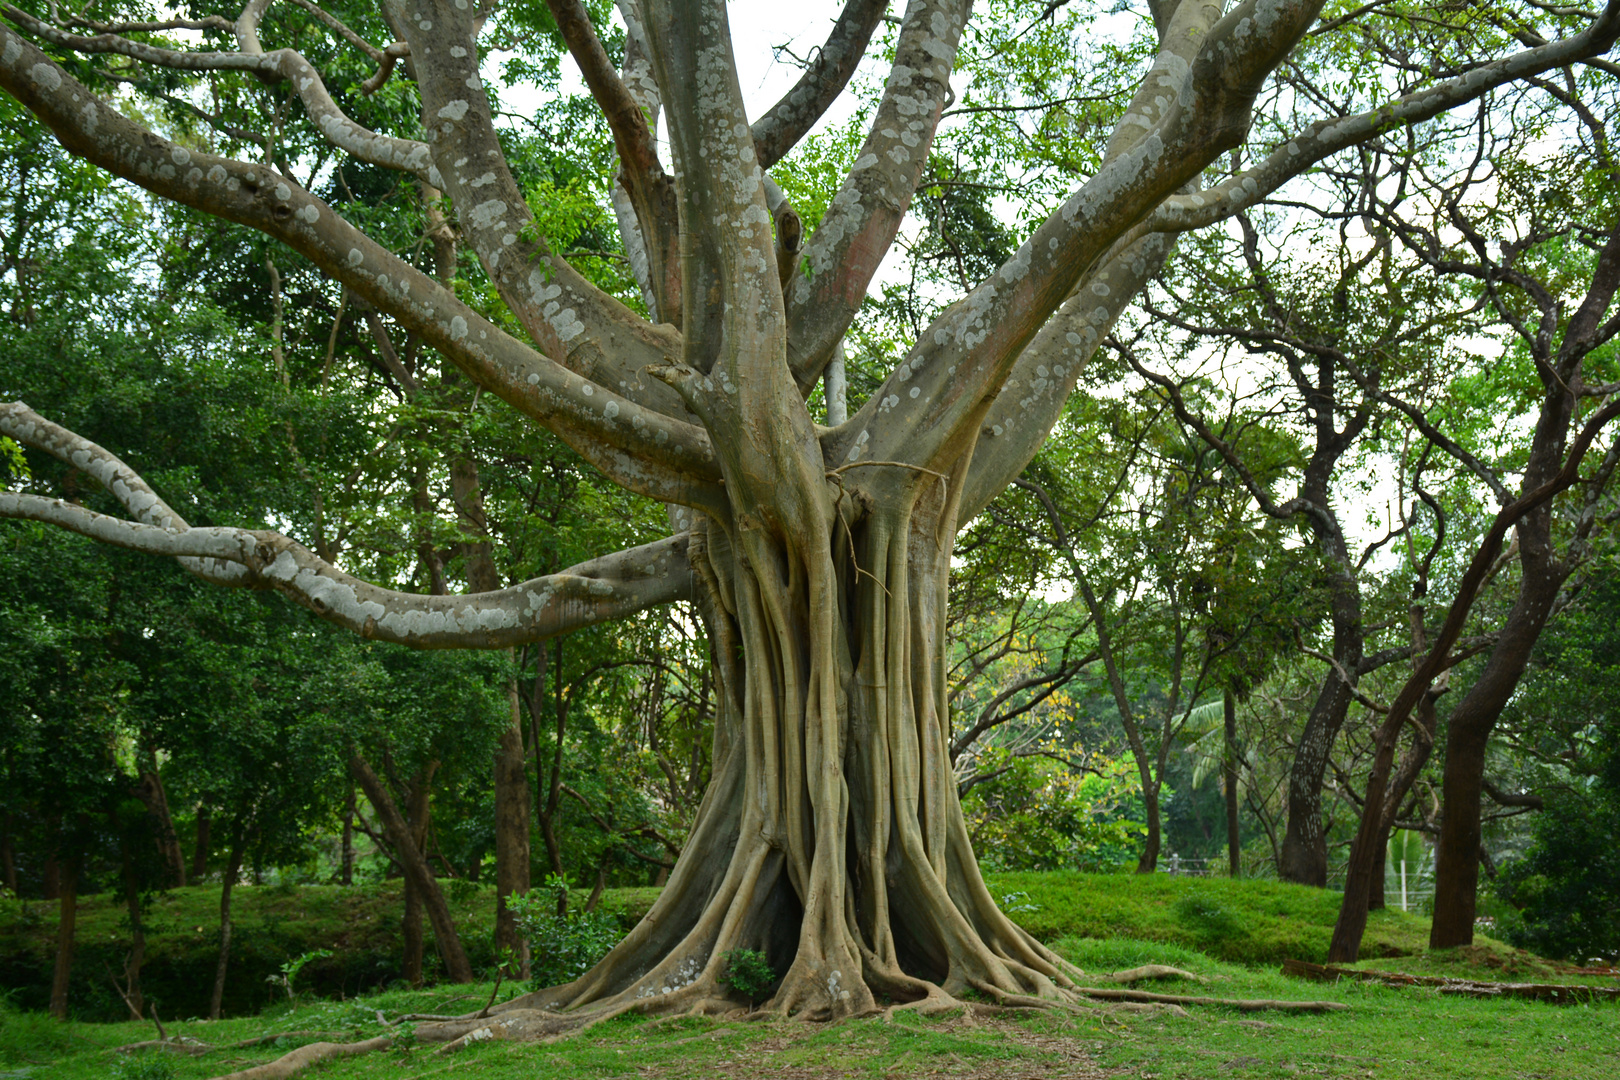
{"points": [[747, 972], [563, 947]]}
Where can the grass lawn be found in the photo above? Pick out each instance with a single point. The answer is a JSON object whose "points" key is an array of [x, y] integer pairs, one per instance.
{"points": [[1232, 933], [1386, 1032]]}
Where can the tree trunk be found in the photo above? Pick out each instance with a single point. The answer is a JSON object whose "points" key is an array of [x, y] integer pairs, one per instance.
{"points": [[831, 837], [1234, 846], [149, 789], [346, 852], [410, 935], [68, 913], [1304, 846], [131, 991], [232, 868], [511, 777], [511, 834], [418, 820], [1380, 872], [417, 873], [1147, 862], [8, 854], [199, 853]]}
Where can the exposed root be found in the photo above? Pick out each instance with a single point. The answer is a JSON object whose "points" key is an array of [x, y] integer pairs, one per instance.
{"points": [[1242, 1005], [305, 1056], [1151, 971]]}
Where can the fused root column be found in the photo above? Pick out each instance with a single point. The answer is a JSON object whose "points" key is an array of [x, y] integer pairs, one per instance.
{"points": [[831, 837]]}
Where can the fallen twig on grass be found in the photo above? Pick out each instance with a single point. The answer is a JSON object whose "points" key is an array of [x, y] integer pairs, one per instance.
{"points": [[1554, 993]]}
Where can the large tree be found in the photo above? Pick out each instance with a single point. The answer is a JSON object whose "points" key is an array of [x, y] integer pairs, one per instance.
{"points": [[831, 836]]}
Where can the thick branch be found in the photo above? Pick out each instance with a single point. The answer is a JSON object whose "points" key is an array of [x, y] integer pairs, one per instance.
{"points": [[600, 590], [1326, 137], [824, 78], [643, 450]]}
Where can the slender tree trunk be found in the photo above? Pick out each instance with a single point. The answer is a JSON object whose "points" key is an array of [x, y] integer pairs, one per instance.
{"points": [[137, 951], [418, 810], [67, 917], [411, 936], [1234, 845], [232, 869], [1147, 862], [346, 856], [8, 854], [1304, 846], [553, 794], [199, 853], [414, 864], [512, 809]]}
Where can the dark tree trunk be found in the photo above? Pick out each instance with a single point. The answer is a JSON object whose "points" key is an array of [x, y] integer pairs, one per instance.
{"points": [[511, 834], [131, 989], [553, 794], [1148, 861], [1234, 845], [414, 864], [67, 917], [346, 858], [8, 855], [227, 884], [1304, 846], [511, 778], [410, 935], [199, 853]]}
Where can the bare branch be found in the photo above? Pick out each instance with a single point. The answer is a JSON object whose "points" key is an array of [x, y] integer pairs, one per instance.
{"points": [[824, 78]]}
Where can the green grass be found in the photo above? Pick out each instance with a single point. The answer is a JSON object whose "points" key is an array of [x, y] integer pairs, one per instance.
{"points": [[1232, 933], [1243, 921], [1386, 1033], [1250, 922]]}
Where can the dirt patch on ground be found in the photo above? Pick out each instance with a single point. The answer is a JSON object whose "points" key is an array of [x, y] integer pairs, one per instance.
{"points": [[962, 1047]]}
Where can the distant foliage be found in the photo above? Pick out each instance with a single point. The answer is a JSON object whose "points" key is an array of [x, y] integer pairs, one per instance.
{"points": [[1564, 888], [1041, 815]]}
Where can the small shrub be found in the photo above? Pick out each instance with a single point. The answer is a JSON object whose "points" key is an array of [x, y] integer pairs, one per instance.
{"points": [[747, 972], [153, 1066], [563, 947]]}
